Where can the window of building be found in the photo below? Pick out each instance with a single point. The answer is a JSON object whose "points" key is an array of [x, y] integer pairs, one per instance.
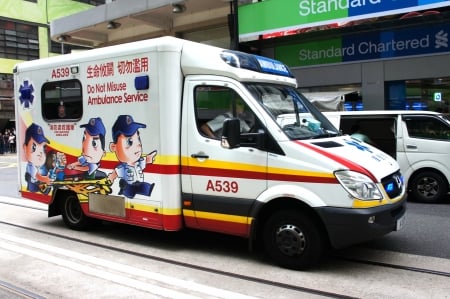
{"points": [[62, 100], [18, 40]]}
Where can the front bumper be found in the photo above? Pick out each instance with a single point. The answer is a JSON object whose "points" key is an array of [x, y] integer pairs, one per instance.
{"points": [[347, 226]]}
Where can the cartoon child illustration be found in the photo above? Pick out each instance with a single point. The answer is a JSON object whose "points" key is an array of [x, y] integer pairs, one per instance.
{"points": [[92, 150], [34, 149], [55, 164], [127, 146]]}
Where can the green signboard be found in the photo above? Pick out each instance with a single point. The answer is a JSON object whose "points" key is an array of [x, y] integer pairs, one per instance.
{"points": [[312, 53], [411, 41], [278, 15]]}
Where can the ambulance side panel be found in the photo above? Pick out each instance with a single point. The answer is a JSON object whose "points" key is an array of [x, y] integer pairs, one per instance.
{"points": [[135, 94]]}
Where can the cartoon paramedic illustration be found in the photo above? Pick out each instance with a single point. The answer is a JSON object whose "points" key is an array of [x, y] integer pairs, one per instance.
{"points": [[34, 149], [92, 150], [127, 146]]}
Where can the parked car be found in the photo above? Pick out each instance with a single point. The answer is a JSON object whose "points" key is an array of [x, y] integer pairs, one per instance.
{"points": [[419, 140]]}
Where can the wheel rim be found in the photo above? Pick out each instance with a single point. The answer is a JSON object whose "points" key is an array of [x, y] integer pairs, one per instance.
{"points": [[290, 240], [428, 187], [73, 209]]}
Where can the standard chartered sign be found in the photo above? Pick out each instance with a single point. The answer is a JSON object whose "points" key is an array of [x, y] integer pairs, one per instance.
{"points": [[377, 45], [277, 15], [312, 7], [365, 48]]}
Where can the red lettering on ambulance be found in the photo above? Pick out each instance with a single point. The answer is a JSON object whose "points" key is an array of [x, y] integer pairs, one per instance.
{"points": [[61, 72], [137, 97], [222, 186]]}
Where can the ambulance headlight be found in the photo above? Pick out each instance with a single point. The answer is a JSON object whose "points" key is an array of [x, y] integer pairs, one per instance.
{"points": [[358, 185]]}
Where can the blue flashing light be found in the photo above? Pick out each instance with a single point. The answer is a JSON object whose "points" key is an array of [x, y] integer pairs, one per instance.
{"points": [[390, 187], [142, 82], [240, 60], [255, 63]]}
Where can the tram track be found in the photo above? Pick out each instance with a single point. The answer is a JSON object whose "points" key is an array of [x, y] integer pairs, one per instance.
{"points": [[242, 277], [8, 290]]}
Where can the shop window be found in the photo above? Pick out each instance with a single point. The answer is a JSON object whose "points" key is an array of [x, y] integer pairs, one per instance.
{"points": [[431, 94], [62, 100]]}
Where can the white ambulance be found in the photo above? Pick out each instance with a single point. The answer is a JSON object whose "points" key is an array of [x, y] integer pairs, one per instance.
{"points": [[167, 133]]}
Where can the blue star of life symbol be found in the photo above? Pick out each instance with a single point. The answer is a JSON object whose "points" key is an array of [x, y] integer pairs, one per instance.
{"points": [[26, 94], [358, 145]]}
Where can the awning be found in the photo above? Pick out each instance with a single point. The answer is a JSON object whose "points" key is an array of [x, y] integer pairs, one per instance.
{"points": [[129, 20], [328, 100]]}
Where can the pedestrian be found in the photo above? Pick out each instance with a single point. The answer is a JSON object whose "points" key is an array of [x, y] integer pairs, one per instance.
{"points": [[12, 143], [2, 144], [5, 142]]}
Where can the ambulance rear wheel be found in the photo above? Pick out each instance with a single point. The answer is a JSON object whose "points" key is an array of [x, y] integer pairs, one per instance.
{"points": [[293, 240], [73, 214]]}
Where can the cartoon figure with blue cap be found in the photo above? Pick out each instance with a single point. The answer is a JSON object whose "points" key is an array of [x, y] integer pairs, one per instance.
{"points": [[92, 150], [34, 148], [127, 146]]}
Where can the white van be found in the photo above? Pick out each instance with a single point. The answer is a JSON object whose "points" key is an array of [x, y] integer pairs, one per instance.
{"points": [[419, 140], [120, 134]]}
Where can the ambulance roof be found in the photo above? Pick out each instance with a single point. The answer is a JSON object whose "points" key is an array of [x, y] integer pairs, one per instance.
{"points": [[196, 58]]}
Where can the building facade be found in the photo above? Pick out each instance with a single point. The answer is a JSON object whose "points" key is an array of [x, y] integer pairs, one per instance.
{"points": [[25, 35], [391, 58], [390, 55]]}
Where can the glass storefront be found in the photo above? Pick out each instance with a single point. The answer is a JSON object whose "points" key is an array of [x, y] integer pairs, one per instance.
{"points": [[431, 94], [428, 94]]}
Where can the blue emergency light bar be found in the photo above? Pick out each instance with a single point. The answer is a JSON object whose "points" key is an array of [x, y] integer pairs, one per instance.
{"points": [[255, 63]]}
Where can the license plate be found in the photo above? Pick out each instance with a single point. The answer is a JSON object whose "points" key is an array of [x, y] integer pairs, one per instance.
{"points": [[400, 222]]}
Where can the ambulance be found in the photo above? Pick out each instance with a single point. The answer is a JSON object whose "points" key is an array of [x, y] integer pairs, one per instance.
{"points": [[170, 134]]}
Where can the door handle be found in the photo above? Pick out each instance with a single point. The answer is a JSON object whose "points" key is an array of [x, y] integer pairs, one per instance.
{"points": [[200, 156], [410, 146]]}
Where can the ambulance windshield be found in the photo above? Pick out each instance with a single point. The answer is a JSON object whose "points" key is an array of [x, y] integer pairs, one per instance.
{"points": [[295, 115]]}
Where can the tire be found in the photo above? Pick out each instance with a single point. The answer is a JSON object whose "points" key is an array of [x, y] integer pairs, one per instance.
{"points": [[73, 214], [293, 239], [428, 187]]}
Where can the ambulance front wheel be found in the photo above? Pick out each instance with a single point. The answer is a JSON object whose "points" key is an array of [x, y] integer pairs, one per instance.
{"points": [[72, 213], [293, 239]]}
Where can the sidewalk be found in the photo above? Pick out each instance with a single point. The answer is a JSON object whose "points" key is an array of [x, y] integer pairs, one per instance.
{"points": [[8, 158]]}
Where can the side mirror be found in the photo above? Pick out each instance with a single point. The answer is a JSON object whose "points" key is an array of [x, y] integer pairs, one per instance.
{"points": [[231, 132]]}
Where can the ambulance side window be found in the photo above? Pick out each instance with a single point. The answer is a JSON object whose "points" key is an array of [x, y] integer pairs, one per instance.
{"points": [[213, 104], [62, 100]]}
